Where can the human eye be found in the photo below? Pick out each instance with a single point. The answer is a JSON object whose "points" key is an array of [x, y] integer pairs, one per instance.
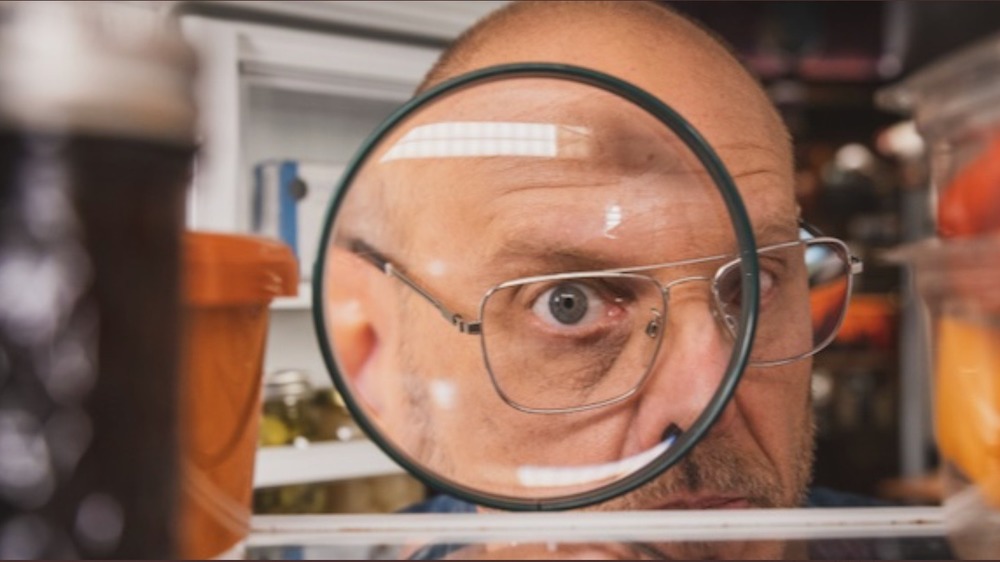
{"points": [[778, 274], [577, 307], [772, 270], [770, 281]]}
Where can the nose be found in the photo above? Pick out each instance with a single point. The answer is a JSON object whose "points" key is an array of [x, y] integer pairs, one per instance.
{"points": [[687, 370]]}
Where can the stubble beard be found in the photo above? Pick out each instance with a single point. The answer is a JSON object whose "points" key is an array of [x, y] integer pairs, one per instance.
{"points": [[719, 466]]}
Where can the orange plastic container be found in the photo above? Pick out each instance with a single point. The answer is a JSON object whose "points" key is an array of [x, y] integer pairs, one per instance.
{"points": [[229, 282]]}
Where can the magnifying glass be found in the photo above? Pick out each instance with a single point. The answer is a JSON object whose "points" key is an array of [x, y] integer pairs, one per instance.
{"points": [[517, 275]]}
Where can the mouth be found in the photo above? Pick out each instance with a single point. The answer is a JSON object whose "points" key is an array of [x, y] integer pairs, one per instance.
{"points": [[705, 502]]}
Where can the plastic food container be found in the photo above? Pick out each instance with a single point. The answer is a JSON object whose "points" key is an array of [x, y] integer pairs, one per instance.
{"points": [[956, 105], [229, 282]]}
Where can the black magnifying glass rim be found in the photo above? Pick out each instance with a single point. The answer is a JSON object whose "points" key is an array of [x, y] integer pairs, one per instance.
{"points": [[747, 250]]}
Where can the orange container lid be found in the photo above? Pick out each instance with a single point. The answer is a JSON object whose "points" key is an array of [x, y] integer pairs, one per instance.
{"points": [[230, 269]]}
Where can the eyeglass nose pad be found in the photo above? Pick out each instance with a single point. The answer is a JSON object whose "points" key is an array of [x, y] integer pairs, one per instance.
{"points": [[656, 324], [653, 328], [726, 321]]}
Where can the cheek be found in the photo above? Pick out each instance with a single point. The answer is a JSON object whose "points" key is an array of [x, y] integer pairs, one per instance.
{"points": [[467, 421], [471, 425], [774, 404]]}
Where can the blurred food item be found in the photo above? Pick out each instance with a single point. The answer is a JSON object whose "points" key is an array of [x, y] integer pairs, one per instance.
{"points": [[273, 431], [870, 320], [967, 383], [958, 280], [970, 204], [295, 414], [287, 410], [333, 421], [230, 281]]}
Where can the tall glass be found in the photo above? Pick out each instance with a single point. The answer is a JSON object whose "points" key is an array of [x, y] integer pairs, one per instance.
{"points": [[96, 144]]}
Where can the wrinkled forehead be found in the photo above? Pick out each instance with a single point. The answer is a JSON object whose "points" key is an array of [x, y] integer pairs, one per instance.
{"points": [[549, 168]]}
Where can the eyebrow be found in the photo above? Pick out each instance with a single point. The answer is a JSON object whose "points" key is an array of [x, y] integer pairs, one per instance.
{"points": [[522, 255], [368, 252], [523, 258]]}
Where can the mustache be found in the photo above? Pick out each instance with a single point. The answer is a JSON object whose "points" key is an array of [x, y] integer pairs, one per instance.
{"points": [[714, 467]]}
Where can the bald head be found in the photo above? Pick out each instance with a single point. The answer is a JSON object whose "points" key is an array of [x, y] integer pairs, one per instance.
{"points": [[644, 43], [521, 18], [649, 45]]}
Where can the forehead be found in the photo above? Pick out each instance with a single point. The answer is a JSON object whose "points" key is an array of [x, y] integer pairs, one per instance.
{"points": [[549, 167], [583, 122]]}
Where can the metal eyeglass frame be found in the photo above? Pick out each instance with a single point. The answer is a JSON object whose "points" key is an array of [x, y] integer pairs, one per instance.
{"points": [[475, 327]]}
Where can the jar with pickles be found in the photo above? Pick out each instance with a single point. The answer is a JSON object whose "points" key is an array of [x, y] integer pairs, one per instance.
{"points": [[296, 414]]}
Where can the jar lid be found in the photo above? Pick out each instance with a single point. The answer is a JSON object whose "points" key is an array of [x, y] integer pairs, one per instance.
{"points": [[287, 383], [231, 269], [959, 89]]}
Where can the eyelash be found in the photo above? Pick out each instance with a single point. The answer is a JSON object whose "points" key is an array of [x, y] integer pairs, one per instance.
{"points": [[603, 289]]}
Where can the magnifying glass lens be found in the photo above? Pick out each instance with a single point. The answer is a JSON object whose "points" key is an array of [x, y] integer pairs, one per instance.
{"points": [[518, 290]]}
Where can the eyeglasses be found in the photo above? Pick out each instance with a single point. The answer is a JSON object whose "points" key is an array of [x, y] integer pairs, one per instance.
{"points": [[571, 342]]}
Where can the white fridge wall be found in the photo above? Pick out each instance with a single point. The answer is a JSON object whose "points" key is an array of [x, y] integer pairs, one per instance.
{"points": [[292, 344], [270, 93], [277, 93]]}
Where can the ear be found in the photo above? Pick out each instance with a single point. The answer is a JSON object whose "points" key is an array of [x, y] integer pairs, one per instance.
{"points": [[351, 322]]}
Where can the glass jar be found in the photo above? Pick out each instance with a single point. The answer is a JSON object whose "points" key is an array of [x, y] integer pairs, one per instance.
{"points": [[956, 106], [295, 413], [287, 411], [288, 419]]}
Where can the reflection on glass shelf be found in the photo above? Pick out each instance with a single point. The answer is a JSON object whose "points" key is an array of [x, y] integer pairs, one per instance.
{"points": [[320, 462]]}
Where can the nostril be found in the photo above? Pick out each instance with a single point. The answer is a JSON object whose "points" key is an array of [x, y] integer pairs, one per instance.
{"points": [[672, 432]]}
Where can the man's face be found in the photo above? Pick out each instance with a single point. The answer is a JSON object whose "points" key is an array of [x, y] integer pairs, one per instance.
{"points": [[618, 191]]}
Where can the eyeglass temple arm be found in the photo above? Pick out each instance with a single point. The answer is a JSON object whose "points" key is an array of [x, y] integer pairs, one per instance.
{"points": [[857, 266], [376, 258], [809, 231]]}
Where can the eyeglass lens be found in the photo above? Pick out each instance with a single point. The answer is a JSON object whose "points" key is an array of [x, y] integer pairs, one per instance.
{"points": [[804, 289], [568, 342], [572, 342]]}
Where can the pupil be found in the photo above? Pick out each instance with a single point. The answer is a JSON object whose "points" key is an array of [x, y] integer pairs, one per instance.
{"points": [[568, 304]]}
